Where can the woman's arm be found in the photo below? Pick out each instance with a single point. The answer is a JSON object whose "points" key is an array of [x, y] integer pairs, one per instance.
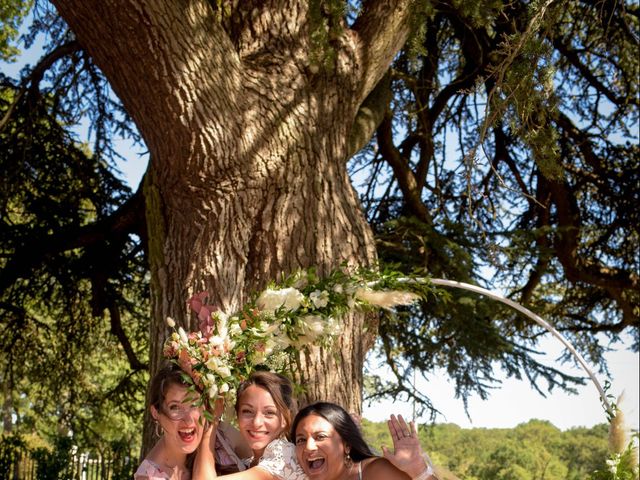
{"points": [[204, 465]]}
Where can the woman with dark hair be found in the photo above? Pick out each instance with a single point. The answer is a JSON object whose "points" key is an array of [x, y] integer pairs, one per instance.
{"points": [[329, 446], [264, 404]]}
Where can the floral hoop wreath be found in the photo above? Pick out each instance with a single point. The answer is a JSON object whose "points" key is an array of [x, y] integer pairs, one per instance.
{"points": [[581, 361], [301, 311]]}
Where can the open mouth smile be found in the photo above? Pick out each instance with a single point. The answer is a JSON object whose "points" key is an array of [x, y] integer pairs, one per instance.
{"points": [[187, 434], [315, 463]]}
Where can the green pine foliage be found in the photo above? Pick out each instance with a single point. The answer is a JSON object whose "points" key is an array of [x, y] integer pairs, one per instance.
{"points": [[66, 371]]}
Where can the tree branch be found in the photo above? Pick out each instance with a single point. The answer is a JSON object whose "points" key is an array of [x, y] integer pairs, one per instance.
{"points": [[129, 218], [613, 280], [573, 58], [118, 331], [32, 81], [382, 29], [402, 171], [542, 217], [370, 115]]}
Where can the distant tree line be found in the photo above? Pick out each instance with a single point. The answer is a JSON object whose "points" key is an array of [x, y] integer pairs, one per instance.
{"points": [[532, 450]]}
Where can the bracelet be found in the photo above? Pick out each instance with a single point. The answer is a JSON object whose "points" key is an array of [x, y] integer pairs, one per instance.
{"points": [[426, 473]]}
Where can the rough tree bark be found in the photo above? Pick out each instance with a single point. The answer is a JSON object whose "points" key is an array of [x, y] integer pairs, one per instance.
{"points": [[248, 123]]}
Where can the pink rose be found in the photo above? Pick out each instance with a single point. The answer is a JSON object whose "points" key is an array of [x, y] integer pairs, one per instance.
{"points": [[170, 349]]}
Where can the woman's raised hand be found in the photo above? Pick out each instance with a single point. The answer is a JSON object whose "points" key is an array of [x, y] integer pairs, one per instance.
{"points": [[407, 454]]}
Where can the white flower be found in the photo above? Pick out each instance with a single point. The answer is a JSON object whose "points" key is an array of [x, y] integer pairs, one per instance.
{"points": [[229, 344], [338, 288], [221, 316], [270, 345], [223, 332], [216, 340], [312, 326], [222, 323], [223, 371], [612, 464], [258, 358], [224, 388], [213, 391], [271, 300], [208, 380], [213, 364], [235, 330], [320, 299], [171, 322]]}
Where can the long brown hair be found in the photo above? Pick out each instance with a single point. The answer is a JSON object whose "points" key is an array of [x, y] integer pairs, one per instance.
{"points": [[169, 374], [280, 389]]}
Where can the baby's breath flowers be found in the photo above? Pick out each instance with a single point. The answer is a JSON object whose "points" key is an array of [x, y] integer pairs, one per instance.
{"points": [[301, 311]]}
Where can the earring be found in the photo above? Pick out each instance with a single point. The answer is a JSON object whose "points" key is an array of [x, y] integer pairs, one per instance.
{"points": [[158, 429], [347, 461]]}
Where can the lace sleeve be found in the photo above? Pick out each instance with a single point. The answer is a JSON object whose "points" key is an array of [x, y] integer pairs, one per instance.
{"points": [[279, 459]]}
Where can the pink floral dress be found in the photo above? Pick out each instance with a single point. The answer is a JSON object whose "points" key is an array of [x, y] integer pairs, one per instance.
{"points": [[149, 470]]}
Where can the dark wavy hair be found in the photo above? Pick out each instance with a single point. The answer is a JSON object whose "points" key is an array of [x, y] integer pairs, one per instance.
{"points": [[342, 422], [279, 387]]}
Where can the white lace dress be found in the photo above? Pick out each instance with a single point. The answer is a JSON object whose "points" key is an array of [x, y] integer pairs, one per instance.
{"points": [[279, 459]]}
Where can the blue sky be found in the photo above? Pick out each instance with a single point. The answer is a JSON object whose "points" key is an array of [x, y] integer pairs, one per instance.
{"points": [[516, 402]]}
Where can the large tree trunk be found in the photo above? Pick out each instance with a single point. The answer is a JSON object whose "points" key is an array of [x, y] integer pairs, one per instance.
{"points": [[248, 127]]}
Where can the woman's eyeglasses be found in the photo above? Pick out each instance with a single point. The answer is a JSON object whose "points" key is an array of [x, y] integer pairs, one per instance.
{"points": [[175, 412]]}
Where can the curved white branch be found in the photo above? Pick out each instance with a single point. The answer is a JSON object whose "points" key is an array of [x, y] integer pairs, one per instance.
{"points": [[531, 315]]}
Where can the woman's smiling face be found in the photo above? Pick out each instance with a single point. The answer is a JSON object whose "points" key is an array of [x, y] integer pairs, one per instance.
{"points": [[319, 449], [180, 420], [259, 420]]}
